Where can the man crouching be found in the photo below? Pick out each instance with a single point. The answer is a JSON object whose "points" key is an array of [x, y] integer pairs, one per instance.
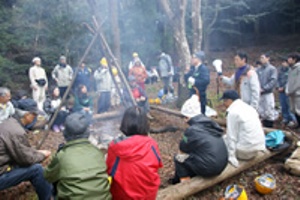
{"points": [[202, 149], [78, 169]]}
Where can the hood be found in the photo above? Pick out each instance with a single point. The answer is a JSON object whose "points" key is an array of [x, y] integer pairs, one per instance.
{"points": [[131, 148], [205, 123]]}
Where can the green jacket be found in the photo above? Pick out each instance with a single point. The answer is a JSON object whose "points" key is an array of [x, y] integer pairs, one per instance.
{"points": [[80, 172]]}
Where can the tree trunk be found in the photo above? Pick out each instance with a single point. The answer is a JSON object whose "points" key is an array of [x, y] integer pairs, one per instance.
{"points": [[115, 30], [197, 25], [175, 13]]}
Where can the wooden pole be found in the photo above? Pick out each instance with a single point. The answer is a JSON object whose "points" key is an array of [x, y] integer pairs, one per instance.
{"points": [[41, 142], [124, 102], [108, 54]]}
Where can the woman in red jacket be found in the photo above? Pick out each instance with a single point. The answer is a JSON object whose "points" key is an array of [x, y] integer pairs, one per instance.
{"points": [[133, 160]]}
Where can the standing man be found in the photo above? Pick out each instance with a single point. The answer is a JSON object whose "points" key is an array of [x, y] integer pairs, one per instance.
{"points": [[83, 77], [293, 85], [38, 82], [103, 81], [245, 136], [288, 118], [244, 80], [267, 75], [166, 70], [198, 76], [63, 75]]}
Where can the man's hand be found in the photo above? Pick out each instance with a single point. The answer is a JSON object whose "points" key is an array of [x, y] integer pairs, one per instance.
{"points": [[191, 81], [280, 89], [142, 98], [45, 152], [86, 109]]}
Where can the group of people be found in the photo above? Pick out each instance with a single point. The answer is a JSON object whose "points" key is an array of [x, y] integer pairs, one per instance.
{"points": [[130, 168]]}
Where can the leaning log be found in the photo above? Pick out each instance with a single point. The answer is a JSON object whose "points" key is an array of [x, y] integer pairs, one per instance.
{"points": [[197, 184]]}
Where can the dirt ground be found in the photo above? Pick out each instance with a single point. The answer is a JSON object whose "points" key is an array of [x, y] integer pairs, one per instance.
{"points": [[288, 186]]}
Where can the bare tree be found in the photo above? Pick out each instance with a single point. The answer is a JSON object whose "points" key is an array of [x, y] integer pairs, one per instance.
{"points": [[197, 25], [175, 13]]}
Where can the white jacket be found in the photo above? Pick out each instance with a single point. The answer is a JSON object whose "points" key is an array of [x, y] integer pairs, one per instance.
{"points": [[37, 72], [244, 130]]}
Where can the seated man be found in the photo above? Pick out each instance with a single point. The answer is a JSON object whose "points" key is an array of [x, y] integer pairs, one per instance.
{"points": [[202, 149], [6, 107], [18, 161], [78, 169], [245, 136]]}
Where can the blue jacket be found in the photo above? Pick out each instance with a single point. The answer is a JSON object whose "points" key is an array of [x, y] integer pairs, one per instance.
{"points": [[201, 75]]}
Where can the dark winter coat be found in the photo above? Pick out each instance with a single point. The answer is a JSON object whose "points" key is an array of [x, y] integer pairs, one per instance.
{"points": [[204, 143], [283, 74], [201, 76]]}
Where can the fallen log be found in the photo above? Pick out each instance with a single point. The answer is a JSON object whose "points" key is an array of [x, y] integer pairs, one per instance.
{"points": [[197, 184], [108, 115]]}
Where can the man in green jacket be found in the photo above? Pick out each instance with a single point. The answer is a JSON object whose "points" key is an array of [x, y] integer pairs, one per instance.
{"points": [[78, 170]]}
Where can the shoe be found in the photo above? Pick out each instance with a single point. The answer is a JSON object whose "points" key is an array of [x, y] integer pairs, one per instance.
{"points": [[292, 124], [62, 127], [56, 129], [149, 116], [284, 122]]}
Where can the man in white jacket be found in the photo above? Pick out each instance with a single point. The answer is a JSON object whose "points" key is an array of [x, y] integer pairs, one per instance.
{"points": [[38, 82], [245, 136]]}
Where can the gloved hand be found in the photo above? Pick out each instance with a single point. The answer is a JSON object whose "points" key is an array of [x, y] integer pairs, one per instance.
{"points": [[191, 81]]}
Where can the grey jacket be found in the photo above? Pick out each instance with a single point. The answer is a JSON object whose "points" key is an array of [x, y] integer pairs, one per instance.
{"points": [[103, 80], [293, 85], [63, 75], [15, 148], [267, 75], [249, 87], [165, 65]]}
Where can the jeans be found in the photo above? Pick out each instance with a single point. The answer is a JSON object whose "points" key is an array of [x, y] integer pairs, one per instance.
{"points": [[34, 174], [62, 91], [287, 115], [104, 102], [182, 170], [60, 118]]}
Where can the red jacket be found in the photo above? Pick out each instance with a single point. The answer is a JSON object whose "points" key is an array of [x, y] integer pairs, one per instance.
{"points": [[133, 163]]}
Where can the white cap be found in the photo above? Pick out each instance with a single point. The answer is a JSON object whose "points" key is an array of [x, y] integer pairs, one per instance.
{"points": [[36, 59], [191, 107]]}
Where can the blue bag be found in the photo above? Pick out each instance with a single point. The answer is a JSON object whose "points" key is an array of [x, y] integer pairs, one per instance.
{"points": [[274, 139]]}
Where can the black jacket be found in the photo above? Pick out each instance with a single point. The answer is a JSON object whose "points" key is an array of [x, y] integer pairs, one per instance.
{"points": [[204, 143], [202, 77]]}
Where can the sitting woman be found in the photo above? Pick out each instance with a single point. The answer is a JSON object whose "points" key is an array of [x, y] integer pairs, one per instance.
{"points": [[133, 160], [50, 106], [202, 148], [83, 102]]}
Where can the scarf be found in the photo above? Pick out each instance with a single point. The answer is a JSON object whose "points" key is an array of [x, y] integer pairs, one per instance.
{"points": [[239, 72]]}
